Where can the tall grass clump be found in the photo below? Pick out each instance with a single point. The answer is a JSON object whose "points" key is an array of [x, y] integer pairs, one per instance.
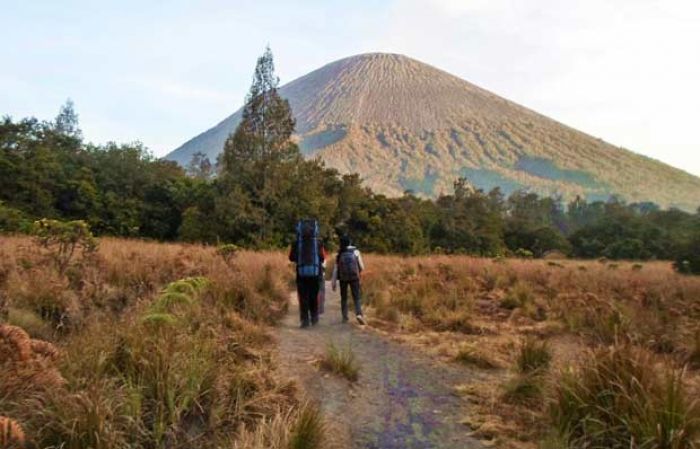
{"points": [[300, 428], [308, 429], [532, 363], [617, 399], [534, 355], [525, 389], [341, 361]]}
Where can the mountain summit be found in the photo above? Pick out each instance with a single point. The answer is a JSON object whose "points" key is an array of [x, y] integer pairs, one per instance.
{"points": [[405, 125]]}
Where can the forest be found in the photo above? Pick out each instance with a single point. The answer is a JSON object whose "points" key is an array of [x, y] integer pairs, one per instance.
{"points": [[261, 185]]}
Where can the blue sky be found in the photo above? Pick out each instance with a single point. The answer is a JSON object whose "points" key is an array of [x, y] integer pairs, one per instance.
{"points": [[161, 72]]}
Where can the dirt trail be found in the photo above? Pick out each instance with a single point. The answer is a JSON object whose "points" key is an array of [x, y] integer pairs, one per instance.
{"points": [[403, 399]]}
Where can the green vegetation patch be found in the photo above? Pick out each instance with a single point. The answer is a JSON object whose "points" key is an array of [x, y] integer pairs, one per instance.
{"points": [[424, 185], [545, 168], [487, 180], [322, 139]]}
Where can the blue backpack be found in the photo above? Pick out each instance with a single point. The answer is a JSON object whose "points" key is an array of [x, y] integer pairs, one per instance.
{"points": [[308, 258]]}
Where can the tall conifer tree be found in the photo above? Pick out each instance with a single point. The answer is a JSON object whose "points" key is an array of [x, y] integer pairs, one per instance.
{"points": [[256, 156]]}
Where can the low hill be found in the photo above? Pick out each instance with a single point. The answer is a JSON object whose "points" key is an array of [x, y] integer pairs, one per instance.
{"points": [[405, 125]]}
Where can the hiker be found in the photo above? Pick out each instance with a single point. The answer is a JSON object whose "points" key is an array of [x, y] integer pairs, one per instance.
{"points": [[309, 255], [347, 269]]}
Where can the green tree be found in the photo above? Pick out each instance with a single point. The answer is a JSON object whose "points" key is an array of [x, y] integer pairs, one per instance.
{"points": [[67, 121], [200, 167], [257, 155]]}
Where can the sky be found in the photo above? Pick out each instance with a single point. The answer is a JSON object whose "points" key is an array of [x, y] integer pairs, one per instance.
{"points": [[161, 72]]}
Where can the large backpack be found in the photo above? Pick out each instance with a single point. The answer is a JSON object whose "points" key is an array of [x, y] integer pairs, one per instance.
{"points": [[348, 266], [308, 258]]}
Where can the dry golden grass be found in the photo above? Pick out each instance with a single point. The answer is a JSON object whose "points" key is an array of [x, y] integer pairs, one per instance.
{"points": [[518, 314], [11, 434], [143, 345]]}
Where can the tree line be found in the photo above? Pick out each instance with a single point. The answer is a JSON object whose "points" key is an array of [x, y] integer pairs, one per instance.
{"points": [[261, 185]]}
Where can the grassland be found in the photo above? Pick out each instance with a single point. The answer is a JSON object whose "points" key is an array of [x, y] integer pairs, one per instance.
{"points": [[149, 345], [571, 354], [145, 345]]}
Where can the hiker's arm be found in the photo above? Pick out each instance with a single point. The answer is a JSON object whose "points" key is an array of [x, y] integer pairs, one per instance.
{"points": [[293, 253], [334, 277], [359, 260], [323, 253]]}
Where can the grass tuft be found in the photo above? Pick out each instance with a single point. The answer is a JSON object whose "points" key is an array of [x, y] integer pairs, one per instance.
{"points": [[341, 362], [525, 389], [470, 355], [616, 399], [534, 355], [308, 430]]}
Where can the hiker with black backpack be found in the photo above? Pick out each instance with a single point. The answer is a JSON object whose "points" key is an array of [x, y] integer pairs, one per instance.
{"points": [[309, 255], [347, 269]]}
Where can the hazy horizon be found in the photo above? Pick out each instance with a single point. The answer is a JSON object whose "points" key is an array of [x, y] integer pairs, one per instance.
{"points": [[623, 72]]}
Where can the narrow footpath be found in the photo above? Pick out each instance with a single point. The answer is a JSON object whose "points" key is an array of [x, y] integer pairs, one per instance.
{"points": [[402, 400]]}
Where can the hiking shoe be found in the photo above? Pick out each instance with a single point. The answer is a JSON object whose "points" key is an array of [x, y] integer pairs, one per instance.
{"points": [[361, 320], [304, 324], [345, 319]]}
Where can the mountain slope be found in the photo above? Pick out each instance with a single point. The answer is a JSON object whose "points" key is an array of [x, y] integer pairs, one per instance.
{"points": [[405, 125]]}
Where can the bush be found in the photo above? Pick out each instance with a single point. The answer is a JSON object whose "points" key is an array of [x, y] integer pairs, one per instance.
{"points": [[688, 259], [617, 400], [12, 220], [228, 252], [62, 239], [524, 253]]}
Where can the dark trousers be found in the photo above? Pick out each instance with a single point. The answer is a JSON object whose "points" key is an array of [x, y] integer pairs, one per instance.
{"points": [[355, 289], [307, 288]]}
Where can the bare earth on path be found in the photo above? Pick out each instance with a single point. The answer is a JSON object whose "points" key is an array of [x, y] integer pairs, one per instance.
{"points": [[402, 400]]}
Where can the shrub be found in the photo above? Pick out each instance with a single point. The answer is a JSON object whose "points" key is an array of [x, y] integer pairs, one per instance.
{"points": [[12, 220], [688, 259], [228, 251], [341, 362], [524, 253], [616, 399], [62, 239]]}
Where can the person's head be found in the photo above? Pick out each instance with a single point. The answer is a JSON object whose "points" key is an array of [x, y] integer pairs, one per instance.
{"points": [[344, 242]]}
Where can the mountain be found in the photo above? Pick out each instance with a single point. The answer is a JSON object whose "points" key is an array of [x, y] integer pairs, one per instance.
{"points": [[405, 125]]}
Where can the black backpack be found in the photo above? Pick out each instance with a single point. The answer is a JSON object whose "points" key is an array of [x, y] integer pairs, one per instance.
{"points": [[348, 266], [308, 257]]}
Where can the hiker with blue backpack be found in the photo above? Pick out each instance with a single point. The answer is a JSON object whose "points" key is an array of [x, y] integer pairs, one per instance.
{"points": [[347, 269], [309, 255]]}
